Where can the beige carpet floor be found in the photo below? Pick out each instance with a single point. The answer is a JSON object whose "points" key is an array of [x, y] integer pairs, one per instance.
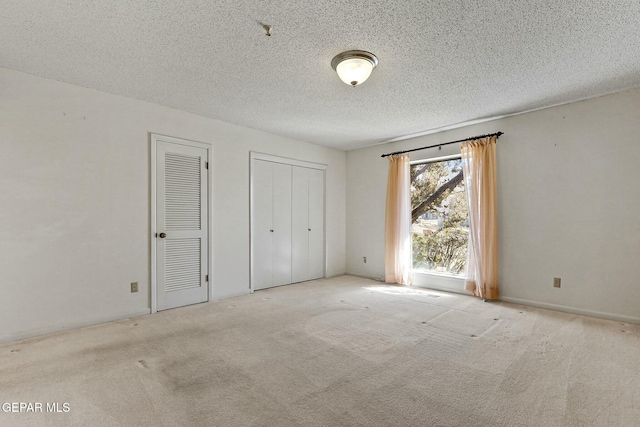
{"points": [[336, 352]]}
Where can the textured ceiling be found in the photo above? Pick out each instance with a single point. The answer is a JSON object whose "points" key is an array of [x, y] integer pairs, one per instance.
{"points": [[442, 62]]}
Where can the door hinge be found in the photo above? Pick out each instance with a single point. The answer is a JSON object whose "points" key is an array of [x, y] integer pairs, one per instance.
{"points": [[206, 165], [206, 278]]}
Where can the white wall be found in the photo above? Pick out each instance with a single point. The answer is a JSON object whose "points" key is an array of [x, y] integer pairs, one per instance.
{"points": [[569, 204], [75, 202]]}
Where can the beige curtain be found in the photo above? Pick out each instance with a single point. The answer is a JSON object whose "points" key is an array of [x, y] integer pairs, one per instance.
{"points": [[397, 262], [479, 166]]}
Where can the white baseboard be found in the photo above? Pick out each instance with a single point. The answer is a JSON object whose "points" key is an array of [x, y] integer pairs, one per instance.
{"points": [[47, 330], [547, 306], [231, 295], [336, 275], [364, 276], [572, 310]]}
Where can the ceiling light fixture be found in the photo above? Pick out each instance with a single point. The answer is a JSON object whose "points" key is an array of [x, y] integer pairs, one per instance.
{"points": [[354, 66]]}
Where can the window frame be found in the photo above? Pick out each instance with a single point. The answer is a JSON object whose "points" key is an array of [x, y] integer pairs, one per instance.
{"points": [[433, 279]]}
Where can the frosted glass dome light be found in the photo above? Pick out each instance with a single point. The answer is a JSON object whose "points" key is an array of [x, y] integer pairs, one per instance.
{"points": [[354, 66]]}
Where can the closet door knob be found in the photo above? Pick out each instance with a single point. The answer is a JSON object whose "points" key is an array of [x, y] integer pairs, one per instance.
{"points": [[271, 231], [162, 235], [309, 229]]}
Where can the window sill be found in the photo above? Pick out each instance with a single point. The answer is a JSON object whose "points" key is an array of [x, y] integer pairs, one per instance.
{"points": [[436, 273], [439, 281]]}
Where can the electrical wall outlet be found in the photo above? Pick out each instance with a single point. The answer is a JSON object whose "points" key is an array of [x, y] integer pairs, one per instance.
{"points": [[556, 282], [364, 259], [134, 287]]}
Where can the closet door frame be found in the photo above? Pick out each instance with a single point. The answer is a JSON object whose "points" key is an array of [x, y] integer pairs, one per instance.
{"points": [[154, 138], [253, 155]]}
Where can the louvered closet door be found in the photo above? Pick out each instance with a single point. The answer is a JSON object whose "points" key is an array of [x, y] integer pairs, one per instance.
{"points": [[181, 188]]}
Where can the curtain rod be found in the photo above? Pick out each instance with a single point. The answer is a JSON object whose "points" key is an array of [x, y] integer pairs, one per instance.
{"points": [[497, 134]]}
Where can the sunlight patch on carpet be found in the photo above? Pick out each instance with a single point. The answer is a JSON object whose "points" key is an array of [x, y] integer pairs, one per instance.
{"points": [[407, 291]]}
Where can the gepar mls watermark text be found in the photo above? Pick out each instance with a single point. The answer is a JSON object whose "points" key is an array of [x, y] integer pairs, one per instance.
{"points": [[36, 407]]}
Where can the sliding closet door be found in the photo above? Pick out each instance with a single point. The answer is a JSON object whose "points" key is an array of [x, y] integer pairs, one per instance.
{"points": [[300, 225], [271, 224], [287, 221], [307, 224], [316, 224], [281, 224], [262, 224]]}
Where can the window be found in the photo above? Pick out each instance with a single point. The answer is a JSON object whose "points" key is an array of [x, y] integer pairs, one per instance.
{"points": [[439, 217]]}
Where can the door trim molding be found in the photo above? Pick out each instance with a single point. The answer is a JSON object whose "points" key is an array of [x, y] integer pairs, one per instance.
{"points": [[153, 139], [254, 155]]}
